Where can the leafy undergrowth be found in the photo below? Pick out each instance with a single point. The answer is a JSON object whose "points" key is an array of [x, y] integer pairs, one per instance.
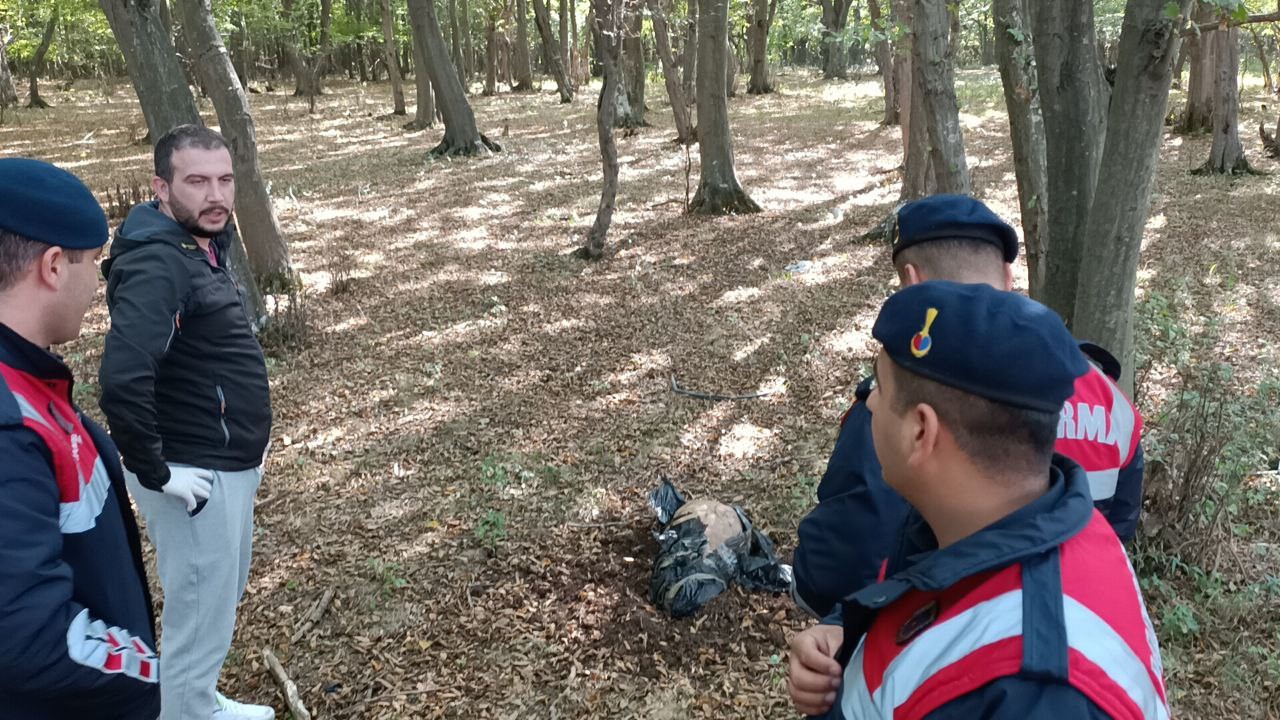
{"points": [[466, 432]]}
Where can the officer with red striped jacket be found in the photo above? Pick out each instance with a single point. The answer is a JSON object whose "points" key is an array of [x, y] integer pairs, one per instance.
{"points": [[1013, 598], [76, 625], [844, 541]]}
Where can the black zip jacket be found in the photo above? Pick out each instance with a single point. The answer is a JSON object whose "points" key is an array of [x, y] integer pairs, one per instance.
{"points": [[183, 377]]}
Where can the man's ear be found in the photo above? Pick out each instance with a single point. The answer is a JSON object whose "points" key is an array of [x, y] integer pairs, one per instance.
{"points": [[49, 268], [1008, 277], [910, 275], [160, 187], [925, 429]]}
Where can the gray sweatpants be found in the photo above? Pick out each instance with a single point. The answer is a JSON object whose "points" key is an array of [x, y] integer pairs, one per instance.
{"points": [[203, 562]]}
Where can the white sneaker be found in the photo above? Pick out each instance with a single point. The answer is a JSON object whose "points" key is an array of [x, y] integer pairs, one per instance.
{"points": [[229, 709]]}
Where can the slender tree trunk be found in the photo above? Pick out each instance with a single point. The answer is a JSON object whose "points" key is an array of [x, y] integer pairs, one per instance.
{"points": [[731, 71], [391, 58], [1113, 239], [690, 53], [718, 190], [255, 216], [491, 56], [835, 54], [575, 53], [468, 46], [461, 136], [542, 18], [424, 115], [679, 104], [1073, 99], [523, 69], [633, 67], [37, 63], [455, 43], [953, 36], [884, 62], [8, 93], [933, 61], [1198, 115], [917, 169], [609, 31], [564, 36], [1015, 56], [1268, 84], [760, 20], [1226, 156]]}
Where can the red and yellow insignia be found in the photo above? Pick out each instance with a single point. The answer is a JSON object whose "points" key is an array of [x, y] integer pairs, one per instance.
{"points": [[921, 343]]}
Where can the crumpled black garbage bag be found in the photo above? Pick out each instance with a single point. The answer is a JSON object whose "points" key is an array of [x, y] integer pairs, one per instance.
{"points": [[702, 547]]}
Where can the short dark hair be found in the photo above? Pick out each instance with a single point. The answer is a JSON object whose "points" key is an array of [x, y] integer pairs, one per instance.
{"points": [[17, 253], [958, 260], [1001, 439], [181, 138]]}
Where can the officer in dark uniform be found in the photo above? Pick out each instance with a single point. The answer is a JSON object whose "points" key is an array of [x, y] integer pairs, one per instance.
{"points": [[844, 541], [1012, 596], [76, 625]]}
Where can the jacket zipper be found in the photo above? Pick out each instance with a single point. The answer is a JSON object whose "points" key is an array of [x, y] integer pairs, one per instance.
{"points": [[222, 416], [173, 330]]}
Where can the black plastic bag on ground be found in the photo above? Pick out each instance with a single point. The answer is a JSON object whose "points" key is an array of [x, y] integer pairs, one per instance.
{"points": [[704, 546]]}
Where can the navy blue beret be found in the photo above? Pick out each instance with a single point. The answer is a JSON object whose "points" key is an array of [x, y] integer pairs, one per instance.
{"points": [[41, 202], [952, 217], [997, 345]]}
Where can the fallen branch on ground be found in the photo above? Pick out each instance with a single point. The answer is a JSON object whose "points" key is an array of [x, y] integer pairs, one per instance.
{"points": [[287, 686], [313, 617], [675, 388]]}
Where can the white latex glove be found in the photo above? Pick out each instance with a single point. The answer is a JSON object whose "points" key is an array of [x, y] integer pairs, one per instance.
{"points": [[189, 484]]}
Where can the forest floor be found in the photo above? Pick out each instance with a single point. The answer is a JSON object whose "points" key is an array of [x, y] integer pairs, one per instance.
{"points": [[467, 432]]}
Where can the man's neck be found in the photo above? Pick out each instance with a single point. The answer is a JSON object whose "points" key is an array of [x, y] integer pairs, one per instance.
{"points": [[16, 314], [965, 506]]}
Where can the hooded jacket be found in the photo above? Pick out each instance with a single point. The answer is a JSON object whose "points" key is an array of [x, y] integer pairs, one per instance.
{"points": [[183, 377]]}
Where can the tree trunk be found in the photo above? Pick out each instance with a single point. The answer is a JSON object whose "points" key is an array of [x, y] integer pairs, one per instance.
{"points": [[903, 75], [542, 18], [491, 56], [953, 36], [461, 137], [564, 36], [1226, 156], [37, 63], [932, 58], [835, 55], [575, 54], [1026, 127], [609, 31], [468, 46], [690, 52], [523, 69], [8, 93], [1073, 100], [309, 72], [884, 62], [759, 22], [633, 67], [361, 67], [718, 190], [391, 58], [917, 169], [731, 71], [1198, 115], [679, 104], [1103, 306], [268, 253], [1268, 84], [152, 63], [455, 43], [424, 115]]}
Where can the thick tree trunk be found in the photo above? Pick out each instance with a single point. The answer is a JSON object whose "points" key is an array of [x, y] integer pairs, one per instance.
{"points": [[633, 68], [309, 71], [1268, 84], [679, 104], [718, 190], [1198, 115], [461, 137], [37, 63], [759, 22], [917, 170], [455, 44], [1073, 100], [542, 18], [152, 63], [609, 31], [835, 55], [523, 67], [884, 62], [8, 93], [563, 26], [255, 217], [424, 115], [1015, 56], [1226, 156], [391, 58], [933, 61], [1103, 306]]}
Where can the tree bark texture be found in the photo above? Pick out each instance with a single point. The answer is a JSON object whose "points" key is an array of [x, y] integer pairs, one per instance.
{"points": [[1104, 301], [759, 21], [835, 55], [718, 190], [1015, 56], [1268, 84], [917, 169], [455, 43], [37, 63], [490, 56], [679, 103], [461, 136], [1073, 99], [264, 242], [563, 27], [884, 62], [1226, 156], [1198, 115], [152, 63], [633, 74], [689, 54], [8, 93], [391, 57], [468, 44], [523, 66], [609, 22], [424, 115], [933, 61], [542, 18]]}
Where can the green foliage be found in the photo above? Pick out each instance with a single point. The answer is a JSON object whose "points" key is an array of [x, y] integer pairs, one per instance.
{"points": [[388, 575], [491, 529]]}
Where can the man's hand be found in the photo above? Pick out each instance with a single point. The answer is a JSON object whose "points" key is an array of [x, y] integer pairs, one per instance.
{"points": [[189, 484], [815, 675]]}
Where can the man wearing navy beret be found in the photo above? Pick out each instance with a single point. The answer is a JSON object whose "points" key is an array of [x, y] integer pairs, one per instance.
{"points": [[1018, 600], [184, 389], [76, 626], [845, 542]]}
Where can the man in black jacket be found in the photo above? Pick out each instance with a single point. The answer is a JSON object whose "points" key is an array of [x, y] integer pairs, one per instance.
{"points": [[184, 389]]}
